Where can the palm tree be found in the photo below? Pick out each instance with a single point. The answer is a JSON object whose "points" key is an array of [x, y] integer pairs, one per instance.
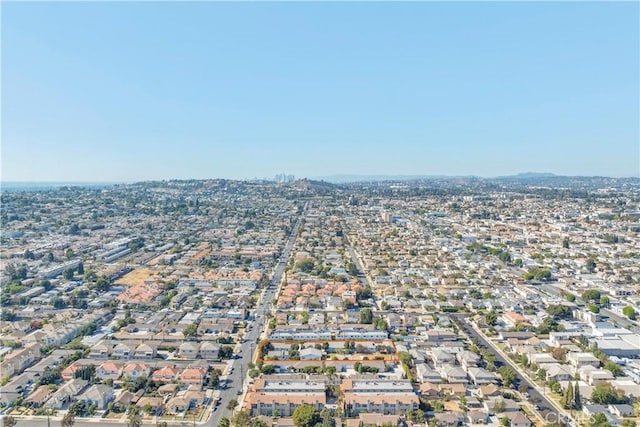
{"points": [[9, 421], [68, 420]]}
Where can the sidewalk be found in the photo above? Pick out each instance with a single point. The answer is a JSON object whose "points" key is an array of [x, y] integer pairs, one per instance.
{"points": [[539, 389]]}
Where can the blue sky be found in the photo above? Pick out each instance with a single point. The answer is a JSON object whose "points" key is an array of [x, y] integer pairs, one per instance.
{"points": [[120, 91]]}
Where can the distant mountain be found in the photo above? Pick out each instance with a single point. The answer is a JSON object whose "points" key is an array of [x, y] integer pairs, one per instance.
{"points": [[527, 175]]}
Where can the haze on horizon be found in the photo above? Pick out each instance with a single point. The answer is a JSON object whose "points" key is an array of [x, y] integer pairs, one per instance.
{"points": [[121, 92]]}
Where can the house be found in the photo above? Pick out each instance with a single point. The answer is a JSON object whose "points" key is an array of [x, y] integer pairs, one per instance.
{"points": [[193, 376], [429, 390], [123, 351], [518, 419], [189, 350], [109, 370], [590, 410], [621, 410], [477, 417], [467, 359], [145, 351], [581, 359], [165, 374], [38, 397], [455, 389], [449, 419], [168, 390], [558, 372], [365, 419], [98, 395], [441, 358], [136, 370], [540, 358], [154, 403], [311, 354], [509, 405], [66, 393], [69, 372], [426, 374], [440, 335], [453, 374], [511, 319], [480, 376], [594, 376], [209, 351], [185, 400], [101, 350], [489, 390], [125, 399]]}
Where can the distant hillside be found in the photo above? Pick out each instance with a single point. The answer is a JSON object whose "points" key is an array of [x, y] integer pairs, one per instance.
{"points": [[310, 184]]}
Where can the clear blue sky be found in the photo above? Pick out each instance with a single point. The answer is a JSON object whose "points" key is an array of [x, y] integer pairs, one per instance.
{"points": [[122, 91]]}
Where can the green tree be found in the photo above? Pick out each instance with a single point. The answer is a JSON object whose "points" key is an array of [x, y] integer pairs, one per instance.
{"points": [[45, 284], [508, 376], [593, 307], [191, 330], [570, 297], [630, 312], [577, 399], [232, 404], [604, 394], [559, 311], [68, 273], [499, 406], [78, 408], [241, 419], [366, 316], [491, 318], [591, 295], [599, 420], [9, 421], [305, 416], [134, 419], [103, 284], [257, 422], [591, 264], [305, 265], [568, 398], [614, 368], [224, 422]]}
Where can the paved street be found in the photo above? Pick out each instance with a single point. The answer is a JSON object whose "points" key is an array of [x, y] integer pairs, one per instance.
{"points": [[551, 289], [236, 381], [549, 412]]}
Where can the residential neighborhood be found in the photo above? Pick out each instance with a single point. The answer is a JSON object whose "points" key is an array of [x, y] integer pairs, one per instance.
{"points": [[299, 302]]}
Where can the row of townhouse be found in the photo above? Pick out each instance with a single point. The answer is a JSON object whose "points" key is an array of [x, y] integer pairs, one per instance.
{"points": [[370, 393], [113, 370], [323, 334], [281, 394], [127, 350]]}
